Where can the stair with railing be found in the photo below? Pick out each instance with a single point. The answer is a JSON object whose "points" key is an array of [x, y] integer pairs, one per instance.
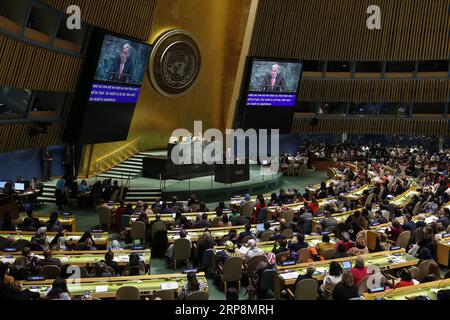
{"points": [[134, 194]]}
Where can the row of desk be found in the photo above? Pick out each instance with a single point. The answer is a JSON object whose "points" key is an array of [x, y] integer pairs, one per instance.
{"points": [[428, 289], [68, 222], [84, 258], [216, 233], [106, 287], [387, 260], [72, 238]]}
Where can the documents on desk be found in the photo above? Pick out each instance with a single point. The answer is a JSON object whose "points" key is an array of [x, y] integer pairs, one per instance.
{"points": [[289, 275], [431, 219], [396, 259], [321, 270], [169, 285], [122, 259], [99, 289]]}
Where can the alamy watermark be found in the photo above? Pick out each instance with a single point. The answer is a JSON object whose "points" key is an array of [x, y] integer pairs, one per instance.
{"points": [[373, 22], [238, 146], [74, 20]]}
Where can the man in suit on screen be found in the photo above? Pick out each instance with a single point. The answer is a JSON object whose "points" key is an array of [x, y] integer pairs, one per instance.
{"points": [[122, 68], [274, 81]]}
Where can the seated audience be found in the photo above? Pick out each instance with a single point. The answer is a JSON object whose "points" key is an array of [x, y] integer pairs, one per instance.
{"points": [[31, 222], [109, 260], [252, 251], [359, 249], [333, 277], [405, 279], [59, 290], [359, 271], [53, 224], [325, 244], [230, 251], [340, 252], [192, 285], [345, 241], [49, 260], [40, 238], [300, 244], [346, 288], [310, 270]]}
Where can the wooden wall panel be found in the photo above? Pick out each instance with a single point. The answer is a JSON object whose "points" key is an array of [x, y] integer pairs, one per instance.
{"points": [[14, 136], [432, 90], [336, 30], [130, 17], [24, 65], [372, 125]]}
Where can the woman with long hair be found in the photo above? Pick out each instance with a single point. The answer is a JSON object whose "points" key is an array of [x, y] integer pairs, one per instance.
{"points": [[59, 290], [346, 288], [333, 277], [192, 285]]}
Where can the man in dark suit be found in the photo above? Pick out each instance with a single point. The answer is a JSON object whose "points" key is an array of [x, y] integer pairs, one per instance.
{"points": [[274, 81], [122, 67], [49, 260]]}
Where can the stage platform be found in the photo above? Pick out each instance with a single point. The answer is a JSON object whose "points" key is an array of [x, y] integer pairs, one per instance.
{"points": [[207, 188]]}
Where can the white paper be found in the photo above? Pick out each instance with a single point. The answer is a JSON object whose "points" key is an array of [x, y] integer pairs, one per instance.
{"points": [[430, 219], [169, 285], [243, 250], [124, 258], [290, 275], [99, 289], [321, 270]]}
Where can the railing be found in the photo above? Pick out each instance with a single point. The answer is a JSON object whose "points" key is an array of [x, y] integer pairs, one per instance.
{"points": [[114, 158]]}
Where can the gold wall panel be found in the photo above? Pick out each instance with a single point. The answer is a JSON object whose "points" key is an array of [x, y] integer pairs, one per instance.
{"points": [[218, 27], [336, 30], [127, 17]]}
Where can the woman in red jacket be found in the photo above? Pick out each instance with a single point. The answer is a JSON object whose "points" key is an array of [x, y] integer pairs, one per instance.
{"points": [[405, 279], [313, 205], [260, 203]]}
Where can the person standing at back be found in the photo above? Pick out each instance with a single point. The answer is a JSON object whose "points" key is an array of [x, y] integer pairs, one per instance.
{"points": [[46, 165], [60, 193]]}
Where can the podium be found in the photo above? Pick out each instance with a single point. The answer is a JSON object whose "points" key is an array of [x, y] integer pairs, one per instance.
{"points": [[231, 173]]}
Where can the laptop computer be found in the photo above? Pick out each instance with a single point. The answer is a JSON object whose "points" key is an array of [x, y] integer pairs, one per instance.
{"points": [[19, 186], [346, 265], [260, 227]]}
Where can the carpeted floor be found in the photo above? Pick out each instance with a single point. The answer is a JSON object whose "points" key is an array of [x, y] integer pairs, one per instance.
{"points": [[87, 219]]}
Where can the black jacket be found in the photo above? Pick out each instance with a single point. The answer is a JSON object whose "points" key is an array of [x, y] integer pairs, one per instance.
{"points": [[344, 292]]}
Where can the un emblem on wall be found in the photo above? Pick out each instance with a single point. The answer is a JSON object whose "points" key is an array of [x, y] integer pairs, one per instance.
{"points": [[174, 63]]}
